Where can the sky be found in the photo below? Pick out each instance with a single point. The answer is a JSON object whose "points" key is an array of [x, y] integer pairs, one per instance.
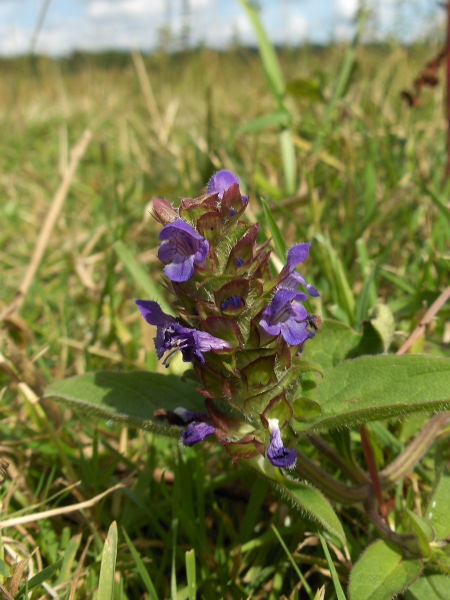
{"points": [[96, 25]]}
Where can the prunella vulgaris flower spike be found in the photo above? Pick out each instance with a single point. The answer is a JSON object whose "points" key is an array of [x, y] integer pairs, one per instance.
{"points": [[241, 326]]}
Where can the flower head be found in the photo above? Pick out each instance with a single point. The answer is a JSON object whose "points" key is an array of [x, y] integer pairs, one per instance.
{"points": [[221, 181], [181, 247], [287, 316], [290, 278], [171, 335], [278, 455]]}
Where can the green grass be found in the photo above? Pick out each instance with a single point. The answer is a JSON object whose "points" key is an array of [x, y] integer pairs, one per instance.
{"points": [[374, 202]]}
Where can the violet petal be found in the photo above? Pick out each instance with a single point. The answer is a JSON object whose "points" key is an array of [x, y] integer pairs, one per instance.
{"points": [[196, 432], [278, 455]]}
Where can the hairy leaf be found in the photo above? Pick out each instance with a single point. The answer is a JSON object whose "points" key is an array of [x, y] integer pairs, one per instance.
{"points": [[371, 388], [129, 397], [382, 572], [438, 513], [315, 505]]}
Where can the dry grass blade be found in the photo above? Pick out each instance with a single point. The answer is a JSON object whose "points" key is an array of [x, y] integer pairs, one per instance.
{"points": [[63, 510], [431, 312], [75, 156]]}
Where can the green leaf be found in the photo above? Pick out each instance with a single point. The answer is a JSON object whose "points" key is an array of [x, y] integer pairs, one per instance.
{"points": [[314, 504], [382, 572], [108, 566], [372, 388], [332, 344], [377, 332], [431, 586], [129, 397], [39, 578], [438, 513], [424, 532], [305, 89]]}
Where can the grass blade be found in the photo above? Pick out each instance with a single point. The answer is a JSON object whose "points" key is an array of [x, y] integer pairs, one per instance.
{"points": [[191, 575], [269, 57], [141, 568], [108, 566], [334, 576], [294, 564]]}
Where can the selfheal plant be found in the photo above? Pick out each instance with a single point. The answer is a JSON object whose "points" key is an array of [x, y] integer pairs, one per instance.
{"points": [[241, 326], [247, 333]]}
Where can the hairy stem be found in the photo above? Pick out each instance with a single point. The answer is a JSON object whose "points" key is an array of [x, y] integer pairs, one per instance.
{"points": [[413, 453], [333, 489], [352, 471], [372, 466]]}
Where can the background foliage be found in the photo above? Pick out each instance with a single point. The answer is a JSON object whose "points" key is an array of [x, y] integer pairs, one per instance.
{"points": [[369, 192]]}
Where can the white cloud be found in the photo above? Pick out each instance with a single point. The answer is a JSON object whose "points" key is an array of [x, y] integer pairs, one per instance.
{"points": [[101, 9], [14, 41], [347, 8]]}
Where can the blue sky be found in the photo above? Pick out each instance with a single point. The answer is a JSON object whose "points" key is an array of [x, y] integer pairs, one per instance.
{"points": [[126, 24]]}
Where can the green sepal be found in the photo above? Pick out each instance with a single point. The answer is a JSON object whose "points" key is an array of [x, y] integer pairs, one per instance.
{"points": [[259, 373], [258, 402], [192, 209], [232, 205], [235, 287], [247, 447], [224, 328], [209, 225]]}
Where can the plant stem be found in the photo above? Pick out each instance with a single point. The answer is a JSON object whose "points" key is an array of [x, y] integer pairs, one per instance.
{"points": [[372, 466], [408, 459], [352, 471], [333, 489]]}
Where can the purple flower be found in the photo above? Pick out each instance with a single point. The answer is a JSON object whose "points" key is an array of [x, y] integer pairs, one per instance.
{"points": [[170, 335], [196, 432], [221, 181], [181, 246], [287, 316], [296, 255], [278, 455]]}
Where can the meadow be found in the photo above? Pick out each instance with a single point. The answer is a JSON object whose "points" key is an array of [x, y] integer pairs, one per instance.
{"points": [[370, 192]]}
